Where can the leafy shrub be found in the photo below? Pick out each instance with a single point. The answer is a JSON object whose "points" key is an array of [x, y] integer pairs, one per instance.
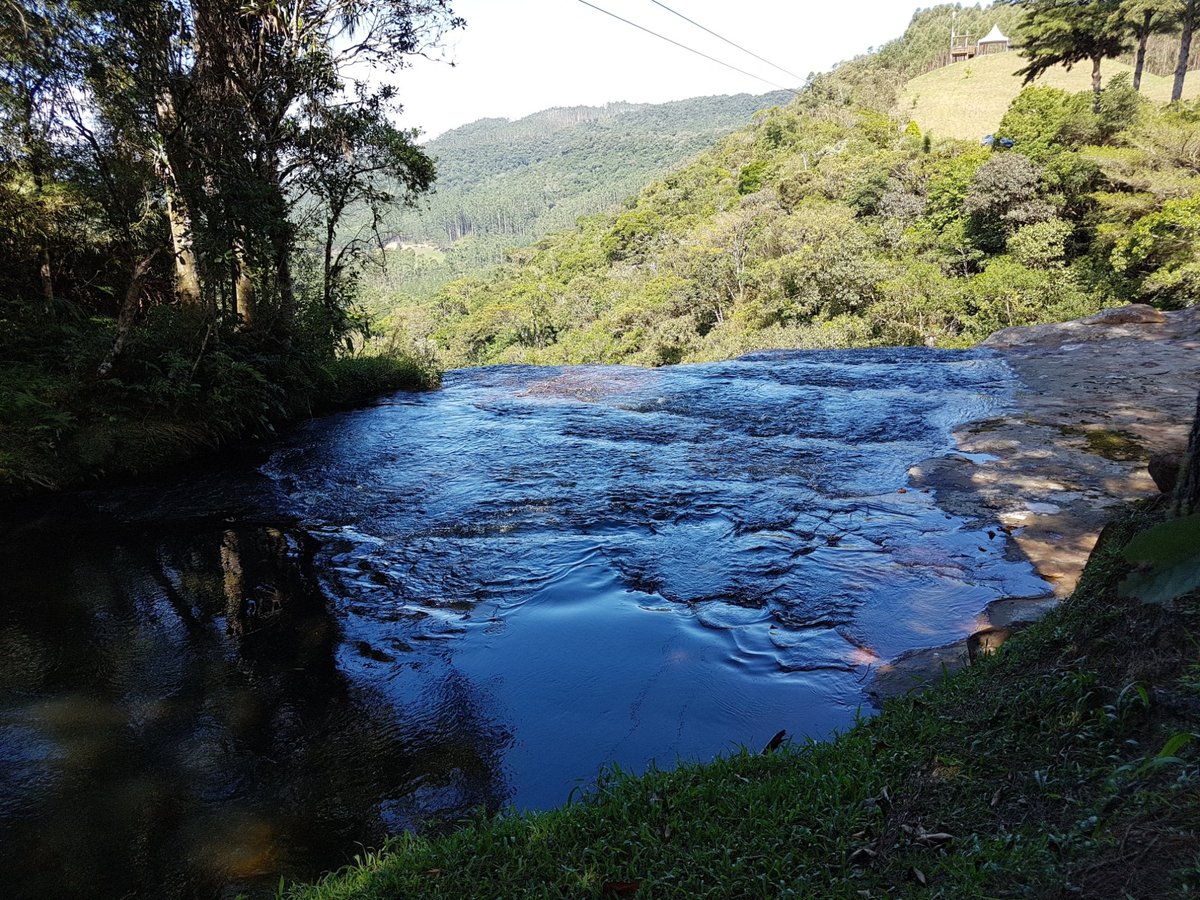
{"points": [[1041, 245], [1004, 195], [1161, 254], [1034, 121]]}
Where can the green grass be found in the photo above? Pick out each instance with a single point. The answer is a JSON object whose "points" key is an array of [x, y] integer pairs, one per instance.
{"points": [[967, 100], [1063, 765]]}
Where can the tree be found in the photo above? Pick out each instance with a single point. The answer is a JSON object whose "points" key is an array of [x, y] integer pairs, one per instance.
{"points": [[1189, 17], [1144, 18], [34, 85], [207, 133], [354, 156], [1161, 253], [1066, 32], [1004, 196]]}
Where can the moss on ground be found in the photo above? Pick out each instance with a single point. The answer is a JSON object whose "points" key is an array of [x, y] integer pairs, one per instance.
{"points": [[1108, 443], [1063, 765]]}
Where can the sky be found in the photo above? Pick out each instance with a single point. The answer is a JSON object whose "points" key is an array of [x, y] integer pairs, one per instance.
{"points": [[516, 57]]}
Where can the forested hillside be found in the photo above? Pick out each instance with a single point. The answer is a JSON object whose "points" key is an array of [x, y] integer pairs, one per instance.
{"points": [[834, 222], [505, 183]]}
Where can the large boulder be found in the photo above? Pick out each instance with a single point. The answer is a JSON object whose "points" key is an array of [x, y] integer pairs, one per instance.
{"points": [[1164, 469], [1108, 323]]}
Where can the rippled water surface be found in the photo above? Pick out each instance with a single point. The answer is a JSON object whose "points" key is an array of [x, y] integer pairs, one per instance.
{"points": [[473, 597]]}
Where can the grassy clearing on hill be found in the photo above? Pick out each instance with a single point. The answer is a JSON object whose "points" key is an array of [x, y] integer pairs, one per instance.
{"points": [[967, 100], [1064, 764]]}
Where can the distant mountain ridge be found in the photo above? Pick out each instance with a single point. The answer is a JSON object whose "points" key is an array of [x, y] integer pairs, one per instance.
{"points": [[505, 183], [507, 176], [849, 217]]}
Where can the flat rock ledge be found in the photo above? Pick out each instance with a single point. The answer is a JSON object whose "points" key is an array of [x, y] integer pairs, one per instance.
{"points": [[1096, 398]]}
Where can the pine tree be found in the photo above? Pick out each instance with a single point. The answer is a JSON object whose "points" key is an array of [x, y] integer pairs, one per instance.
{"points": [[1066, 32]]}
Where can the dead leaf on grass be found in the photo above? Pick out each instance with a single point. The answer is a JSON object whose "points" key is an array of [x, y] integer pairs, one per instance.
{"points": [[862, 856], [621, 888]]}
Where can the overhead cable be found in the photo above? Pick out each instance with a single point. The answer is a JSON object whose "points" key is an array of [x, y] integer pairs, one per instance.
{"points": [[689, 49], [728, 41]]}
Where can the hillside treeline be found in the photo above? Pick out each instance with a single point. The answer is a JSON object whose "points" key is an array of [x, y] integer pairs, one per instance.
{"points": [[504, 183], [833, 222]]}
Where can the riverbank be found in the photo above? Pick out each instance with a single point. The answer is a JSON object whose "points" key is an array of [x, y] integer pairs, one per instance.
{"points": [[1062, 764], [1096, 398], [64, 429]]}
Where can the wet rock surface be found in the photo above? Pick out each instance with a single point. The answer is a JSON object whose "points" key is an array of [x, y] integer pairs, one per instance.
{"points": [[1096, 399]]}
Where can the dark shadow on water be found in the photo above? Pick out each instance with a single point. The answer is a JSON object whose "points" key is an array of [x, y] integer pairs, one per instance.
{"points": [[174, 721]]}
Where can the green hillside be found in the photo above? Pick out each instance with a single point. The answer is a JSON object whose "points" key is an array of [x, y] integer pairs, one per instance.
{"points": [[503, 183], [837, 222], [967, 100]]}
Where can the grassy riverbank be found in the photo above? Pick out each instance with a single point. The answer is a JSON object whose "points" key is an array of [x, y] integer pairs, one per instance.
{"points": [[1064, 764], [65, 426]]}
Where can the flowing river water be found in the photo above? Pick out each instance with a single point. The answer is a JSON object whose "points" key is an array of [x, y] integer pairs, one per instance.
{"points": [[472, 597]]}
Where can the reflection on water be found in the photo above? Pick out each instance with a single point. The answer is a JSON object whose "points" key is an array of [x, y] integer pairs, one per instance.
{"points": [[174, 721], [474, 597]]}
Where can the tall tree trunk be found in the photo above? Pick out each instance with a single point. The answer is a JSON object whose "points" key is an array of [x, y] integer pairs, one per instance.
{"points": [[287, 289], [1143, 36], [327, 269], [281, 238], [47, 278], [129, 308], [243, 287], [187, 272], [1187, 490], [1185, 47], [1096, 60]]}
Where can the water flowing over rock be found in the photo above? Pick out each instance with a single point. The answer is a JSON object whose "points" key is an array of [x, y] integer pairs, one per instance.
{"points": [[476, 597]]}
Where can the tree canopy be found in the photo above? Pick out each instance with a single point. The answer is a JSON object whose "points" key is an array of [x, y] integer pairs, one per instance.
{"points": [[835, 222], [204, 137], [1066, 32], [172, 175]]}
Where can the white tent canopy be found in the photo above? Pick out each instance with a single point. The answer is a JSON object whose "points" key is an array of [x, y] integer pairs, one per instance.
{"points": [[995, 36]]}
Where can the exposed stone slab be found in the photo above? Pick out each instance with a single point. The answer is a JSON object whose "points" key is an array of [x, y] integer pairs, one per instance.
{"points": [[1097, 398]]}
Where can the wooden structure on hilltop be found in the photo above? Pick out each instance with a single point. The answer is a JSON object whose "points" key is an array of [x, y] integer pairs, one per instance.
{"points": [[962, 47]]}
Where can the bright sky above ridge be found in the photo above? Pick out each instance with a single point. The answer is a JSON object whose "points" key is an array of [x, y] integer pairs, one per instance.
{"points": [[516, 57]]}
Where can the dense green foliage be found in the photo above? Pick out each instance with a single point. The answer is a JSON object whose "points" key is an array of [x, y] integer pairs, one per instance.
{"points": [[165, 405], [172, 179], [1063, 765], [832, 222], [503, 183]]}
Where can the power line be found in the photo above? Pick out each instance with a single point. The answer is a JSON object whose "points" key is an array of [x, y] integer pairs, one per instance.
{"points": [[689, 49], [728, 41]]}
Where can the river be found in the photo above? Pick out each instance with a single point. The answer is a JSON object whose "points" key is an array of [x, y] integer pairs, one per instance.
{"points": [[473, 597]]}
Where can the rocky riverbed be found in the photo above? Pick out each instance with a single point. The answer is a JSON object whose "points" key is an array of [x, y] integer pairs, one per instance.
{"points": [[1097, 398]]}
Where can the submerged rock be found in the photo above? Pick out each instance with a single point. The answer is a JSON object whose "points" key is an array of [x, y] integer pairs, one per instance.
{"points": [[987, 641]]}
